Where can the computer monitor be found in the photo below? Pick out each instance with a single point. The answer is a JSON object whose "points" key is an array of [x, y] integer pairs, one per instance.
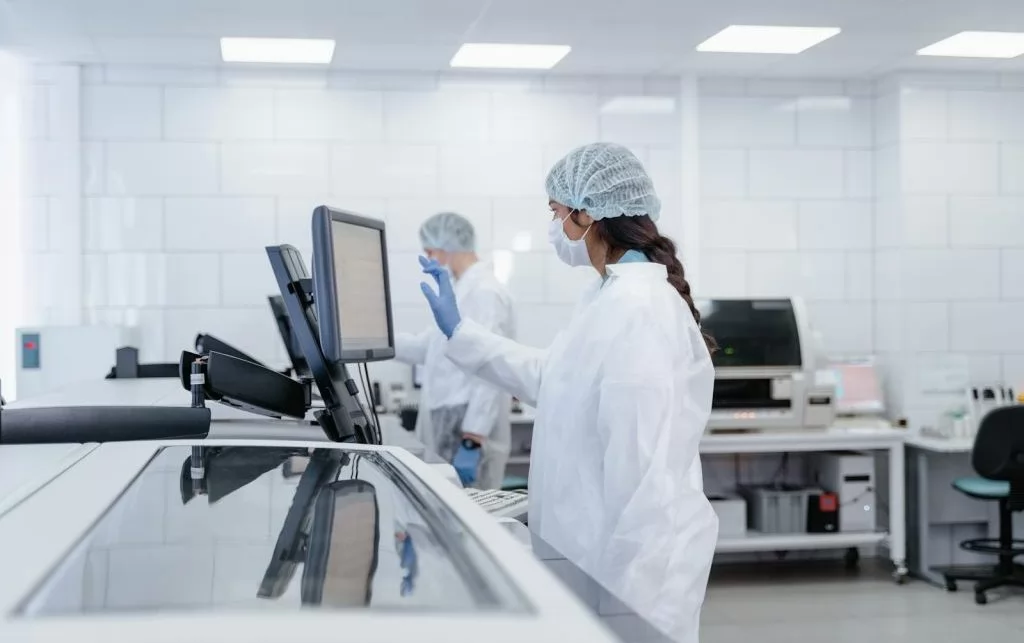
{"points": [[351, 286], [284, 326], [344, 418], [753, 333]]}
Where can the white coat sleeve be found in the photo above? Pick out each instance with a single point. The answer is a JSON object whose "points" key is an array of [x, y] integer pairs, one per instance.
{"points": [[507, 364], [648, 503], [490, 311], [412, 349]]}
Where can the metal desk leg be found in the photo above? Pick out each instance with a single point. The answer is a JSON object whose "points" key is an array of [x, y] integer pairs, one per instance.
{"points": [[898, 513], [921, 511]]}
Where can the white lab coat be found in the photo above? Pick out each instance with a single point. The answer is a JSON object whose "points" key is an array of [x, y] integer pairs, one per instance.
{"points": [[623, 396], [482, 299]]}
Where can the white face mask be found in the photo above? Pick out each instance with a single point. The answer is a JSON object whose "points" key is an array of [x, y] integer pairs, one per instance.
{"points": [[571, 252]]}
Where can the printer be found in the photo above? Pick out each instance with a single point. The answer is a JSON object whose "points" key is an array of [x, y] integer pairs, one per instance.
{"points": [[765, 375]]}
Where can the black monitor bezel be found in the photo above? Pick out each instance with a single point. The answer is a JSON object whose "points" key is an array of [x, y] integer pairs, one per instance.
{"points": [[325, 288], [291, 343]]}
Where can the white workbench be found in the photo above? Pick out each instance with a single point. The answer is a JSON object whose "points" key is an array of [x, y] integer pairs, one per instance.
{"points": [[868, 437]]}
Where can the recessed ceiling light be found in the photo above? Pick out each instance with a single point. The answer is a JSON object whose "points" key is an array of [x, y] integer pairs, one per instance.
{"points": [[978, 44], [639, 105], [277, 50], [496, 56], [752, 39]]}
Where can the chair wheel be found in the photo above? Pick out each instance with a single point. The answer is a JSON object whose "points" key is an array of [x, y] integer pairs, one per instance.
{"points": [[950, 585], [980, 598]]}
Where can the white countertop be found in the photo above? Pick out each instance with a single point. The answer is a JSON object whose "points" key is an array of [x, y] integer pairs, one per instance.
{"points": [[941, 445]]}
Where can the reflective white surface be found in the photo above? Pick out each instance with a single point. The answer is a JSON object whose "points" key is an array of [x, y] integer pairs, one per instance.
{"points": [[273, 527]]}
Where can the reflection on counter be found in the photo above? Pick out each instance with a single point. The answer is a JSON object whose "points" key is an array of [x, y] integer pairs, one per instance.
{"points": [[257, 527]]}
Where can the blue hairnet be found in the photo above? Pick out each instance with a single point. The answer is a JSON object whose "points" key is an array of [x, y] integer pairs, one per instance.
{"points": [[448, 231], [606, 180]]}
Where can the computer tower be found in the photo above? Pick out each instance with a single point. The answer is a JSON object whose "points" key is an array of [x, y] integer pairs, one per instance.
{"points": [[851, 476]]}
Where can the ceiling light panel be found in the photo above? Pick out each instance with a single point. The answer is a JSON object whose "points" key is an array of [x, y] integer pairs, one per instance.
{"points": [[639, 105], [285, 51], [753, 39], [978, 44], [499, 56]]}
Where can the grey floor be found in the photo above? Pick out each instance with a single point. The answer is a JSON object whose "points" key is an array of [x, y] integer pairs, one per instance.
{"points": [[786, 605]]}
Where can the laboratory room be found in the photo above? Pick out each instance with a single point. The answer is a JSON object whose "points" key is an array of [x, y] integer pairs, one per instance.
{"points": [[368, 321]]}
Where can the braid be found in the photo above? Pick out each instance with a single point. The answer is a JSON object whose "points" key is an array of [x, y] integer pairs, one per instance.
{"points": [[640, 233]]}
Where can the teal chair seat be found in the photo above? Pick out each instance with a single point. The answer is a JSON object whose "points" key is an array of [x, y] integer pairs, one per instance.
{"points": [[982, 488]]}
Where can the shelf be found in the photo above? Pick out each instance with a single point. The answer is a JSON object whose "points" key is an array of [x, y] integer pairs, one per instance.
{"points": [[519, 459], [754, 541]]}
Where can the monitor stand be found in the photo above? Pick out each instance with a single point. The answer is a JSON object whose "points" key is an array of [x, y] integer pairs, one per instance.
{"points": [[343, 418]]}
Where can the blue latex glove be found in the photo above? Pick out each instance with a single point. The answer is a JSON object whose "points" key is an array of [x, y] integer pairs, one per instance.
{"points": [[408, 562], [466, 463], [442, 303]]}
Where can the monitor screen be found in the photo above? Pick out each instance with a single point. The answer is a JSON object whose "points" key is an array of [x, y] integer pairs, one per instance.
{"points": [[359, 282], [752, 332], [352, 290]]}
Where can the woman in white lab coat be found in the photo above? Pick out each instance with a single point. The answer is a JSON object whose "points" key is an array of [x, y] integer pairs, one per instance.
{"points": [[622, 395]]}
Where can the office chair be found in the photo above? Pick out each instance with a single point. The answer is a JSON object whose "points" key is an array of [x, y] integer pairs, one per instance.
{"points": [[998, 457]]}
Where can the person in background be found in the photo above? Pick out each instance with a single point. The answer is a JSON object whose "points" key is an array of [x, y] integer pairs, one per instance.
{"points": [[462, 418], [623, 395]]}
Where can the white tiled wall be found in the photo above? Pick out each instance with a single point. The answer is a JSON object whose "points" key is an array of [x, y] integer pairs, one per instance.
{"points": [[950, 225], [52, 209], [188, 175], [162, 187], [786, 183]]}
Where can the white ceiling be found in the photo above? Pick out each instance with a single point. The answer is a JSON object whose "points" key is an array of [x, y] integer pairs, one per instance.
{"points": [[607, 36]]}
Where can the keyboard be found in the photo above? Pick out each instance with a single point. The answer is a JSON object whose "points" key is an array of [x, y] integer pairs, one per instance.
{"points": [[502, 504]]}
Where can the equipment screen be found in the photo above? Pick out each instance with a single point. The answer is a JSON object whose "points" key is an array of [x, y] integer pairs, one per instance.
{"points": [[752, 332], [359, 281]]}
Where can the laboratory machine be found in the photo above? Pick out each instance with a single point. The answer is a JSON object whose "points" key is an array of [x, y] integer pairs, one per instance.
{"points": [[765, 371]]}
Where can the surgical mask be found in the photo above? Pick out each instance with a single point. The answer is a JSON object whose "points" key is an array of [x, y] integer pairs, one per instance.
{"points": [[571, 252]]}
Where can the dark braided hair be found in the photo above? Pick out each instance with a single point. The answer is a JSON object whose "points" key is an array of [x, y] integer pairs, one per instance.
{"points": [[640, 233]]}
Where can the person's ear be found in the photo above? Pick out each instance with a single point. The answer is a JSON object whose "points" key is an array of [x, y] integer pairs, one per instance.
{"points": [[584, 219]]}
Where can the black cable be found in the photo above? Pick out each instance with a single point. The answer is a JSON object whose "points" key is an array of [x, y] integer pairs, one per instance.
{"points": [[376, 418], [866, 492], [781, 471], [364, 375], [366, 396]]}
